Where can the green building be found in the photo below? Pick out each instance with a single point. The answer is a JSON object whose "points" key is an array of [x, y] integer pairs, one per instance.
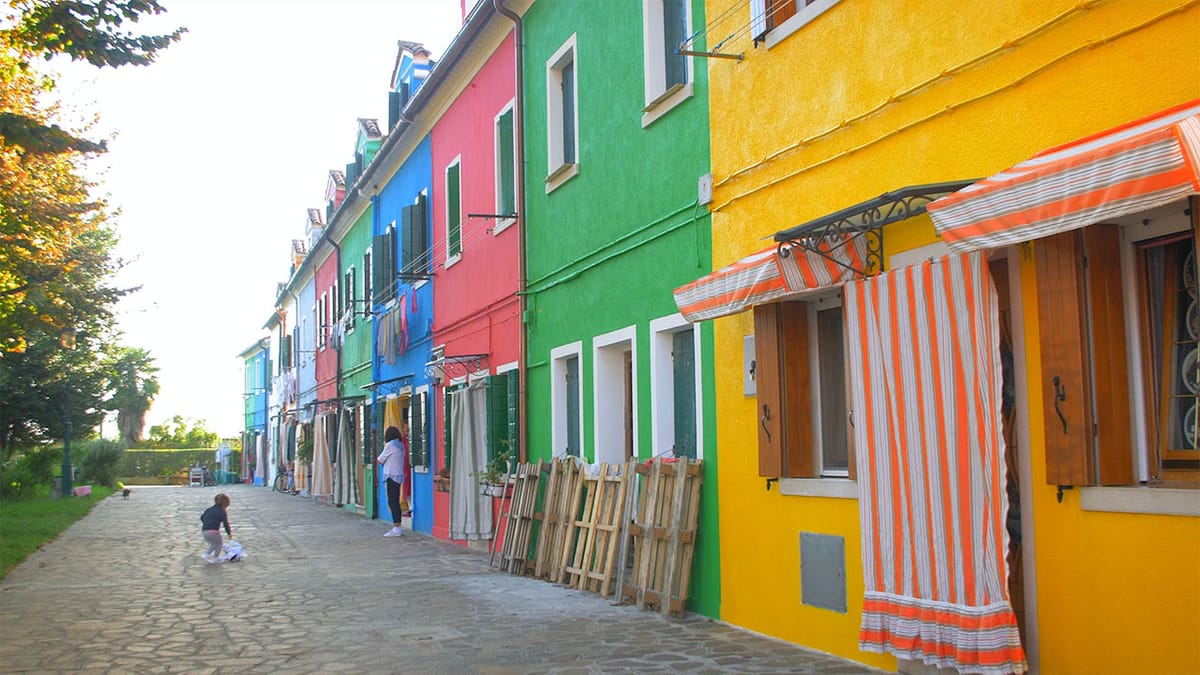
{"points": [[616, 156]]}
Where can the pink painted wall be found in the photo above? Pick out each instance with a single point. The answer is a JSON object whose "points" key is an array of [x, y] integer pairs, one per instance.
{"points": [[475, 305], [327, 358]]}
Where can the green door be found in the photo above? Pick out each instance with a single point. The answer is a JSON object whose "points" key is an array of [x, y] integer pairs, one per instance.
{"points": [[573, 433]]}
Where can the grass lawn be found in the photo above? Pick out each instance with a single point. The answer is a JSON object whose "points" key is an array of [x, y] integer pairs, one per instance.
{"points": [[27, 524]]}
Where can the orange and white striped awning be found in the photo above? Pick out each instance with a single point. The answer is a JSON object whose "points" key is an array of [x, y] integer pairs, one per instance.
{"points": [[770, 274], [1137, 166]]}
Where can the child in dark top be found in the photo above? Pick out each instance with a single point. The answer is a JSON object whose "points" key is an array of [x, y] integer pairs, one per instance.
{"points": [[211, 521]]}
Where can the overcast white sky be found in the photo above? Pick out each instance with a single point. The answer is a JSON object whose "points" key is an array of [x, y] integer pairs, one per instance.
{"points": [[218, 149]]}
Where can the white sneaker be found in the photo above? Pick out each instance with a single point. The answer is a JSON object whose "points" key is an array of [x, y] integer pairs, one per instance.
{"points": [[394, 532], [207, 558]]}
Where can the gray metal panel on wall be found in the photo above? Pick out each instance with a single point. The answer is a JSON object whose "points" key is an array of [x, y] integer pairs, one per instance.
{"points": [[823, 571]]}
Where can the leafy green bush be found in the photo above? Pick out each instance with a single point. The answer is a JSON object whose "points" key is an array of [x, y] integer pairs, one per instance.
{"points": [[165, 463], [100, 460], [21, 477]]}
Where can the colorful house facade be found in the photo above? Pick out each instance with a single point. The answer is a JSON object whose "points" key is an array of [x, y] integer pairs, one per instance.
{"points": [[616, 154], [469, 103], [948, 441], [256, 365]]}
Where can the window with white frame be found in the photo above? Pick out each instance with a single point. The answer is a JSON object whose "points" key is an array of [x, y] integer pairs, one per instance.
{"points": [[773, 20], [675, 371], [562, 118], [453, 182], [349, 288], [615, 399], [566, 404], [322, 321], [667, 74], [506, 168]]}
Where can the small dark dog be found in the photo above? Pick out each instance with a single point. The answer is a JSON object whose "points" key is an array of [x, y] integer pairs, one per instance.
{"points": [[125, 492]]}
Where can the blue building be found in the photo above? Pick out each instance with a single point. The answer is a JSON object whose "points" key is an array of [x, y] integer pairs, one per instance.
{"points": [[256, 369]]}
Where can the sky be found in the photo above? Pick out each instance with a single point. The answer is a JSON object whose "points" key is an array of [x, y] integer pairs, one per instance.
{"points": [[216, 151]]}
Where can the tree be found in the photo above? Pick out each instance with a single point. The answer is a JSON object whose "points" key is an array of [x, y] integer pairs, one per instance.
{"points": [[180, 433], [133, 390], [83, 30]]}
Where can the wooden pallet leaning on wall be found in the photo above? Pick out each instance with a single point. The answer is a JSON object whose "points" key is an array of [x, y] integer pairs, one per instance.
{"points": [[662, 535], [518, 521], [558, 511], [596, 533]]}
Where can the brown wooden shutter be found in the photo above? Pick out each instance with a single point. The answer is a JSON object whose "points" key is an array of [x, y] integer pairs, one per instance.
{"points": [[1114, 451], [768, 411], [797, 396], [1065, 380]]}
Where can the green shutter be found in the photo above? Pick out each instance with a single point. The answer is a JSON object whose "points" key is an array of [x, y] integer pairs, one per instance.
{"points": [[568, 111], [378, 268], [497, 416], [453, 211], [406, 243], [683, 355], [426, 426], [674, 32], [505, 170], [420, 223], [514, 426], [574, 434], [446, 445], [417, 431]]}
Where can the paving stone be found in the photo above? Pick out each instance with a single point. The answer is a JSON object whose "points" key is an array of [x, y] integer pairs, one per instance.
{"points": [[322, 590]]}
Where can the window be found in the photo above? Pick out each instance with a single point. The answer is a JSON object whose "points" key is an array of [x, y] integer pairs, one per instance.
{"points": [[419, 407], [366, 280], [335, 302], [384, 270], [615, 398], [322, 321], [801, 407], [453, 211], [350, 307], [562, 122], [1119, 326], [566, 389], [502, 412], [414, 260], [667, 75], [674, 386], [506, 169], [773, 20]]}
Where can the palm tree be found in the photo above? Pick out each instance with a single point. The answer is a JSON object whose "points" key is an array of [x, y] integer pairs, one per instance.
{"points": [[134, 388]]}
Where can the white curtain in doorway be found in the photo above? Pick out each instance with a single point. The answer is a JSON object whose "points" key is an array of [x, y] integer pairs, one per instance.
{"points": [[322, 478], [345, 486], [470, 512]]}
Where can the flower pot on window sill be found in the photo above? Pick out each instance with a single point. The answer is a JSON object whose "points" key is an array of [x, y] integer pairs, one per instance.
{"points": [[494, 489], [441, 484]]}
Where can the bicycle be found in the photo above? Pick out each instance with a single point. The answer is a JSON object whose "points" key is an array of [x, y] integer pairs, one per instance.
{"points": [[283, 483]]}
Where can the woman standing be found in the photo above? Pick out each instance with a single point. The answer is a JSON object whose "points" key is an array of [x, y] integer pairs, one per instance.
{"points": [[394, 460]]}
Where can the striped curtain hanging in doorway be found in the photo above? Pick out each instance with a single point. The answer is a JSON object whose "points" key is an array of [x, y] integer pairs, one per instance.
{"points": [[925, 374]]}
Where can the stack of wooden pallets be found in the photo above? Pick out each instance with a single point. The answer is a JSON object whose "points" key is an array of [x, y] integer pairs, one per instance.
{"points": [[518, 519]]}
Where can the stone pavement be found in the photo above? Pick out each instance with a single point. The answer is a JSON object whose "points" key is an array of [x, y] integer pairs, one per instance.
{"points": [[124, 590]]}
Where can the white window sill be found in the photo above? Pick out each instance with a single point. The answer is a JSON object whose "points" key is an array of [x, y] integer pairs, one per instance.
{"points": [[502, 225], [835, 488], [1151, 500], [561, 175], [666, 102], [801, 18], [420, 469], [452, 260]]}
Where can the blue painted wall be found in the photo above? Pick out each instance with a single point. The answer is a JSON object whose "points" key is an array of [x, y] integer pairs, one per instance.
{"points": [[401, 190]]}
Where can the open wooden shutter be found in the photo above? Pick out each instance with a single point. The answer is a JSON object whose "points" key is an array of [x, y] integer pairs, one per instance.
{"points": [[784, 401], [446, 446], [514, 423], [1066, 381], [1114, 455], [378, 275], [420, 256]]}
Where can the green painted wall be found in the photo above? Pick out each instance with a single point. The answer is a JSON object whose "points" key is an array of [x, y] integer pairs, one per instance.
{"points": [[357, 350], [606, 248]]}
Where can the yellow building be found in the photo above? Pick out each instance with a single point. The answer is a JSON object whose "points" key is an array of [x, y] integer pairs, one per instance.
{"points": [[1088, 372]]}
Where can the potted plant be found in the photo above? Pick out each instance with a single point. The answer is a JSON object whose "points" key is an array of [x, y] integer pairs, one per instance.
{"points": [[441, 480], [493, 481]]}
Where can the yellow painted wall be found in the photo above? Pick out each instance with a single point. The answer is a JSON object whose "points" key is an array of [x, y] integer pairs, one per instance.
{"points": [[1107, 598]]}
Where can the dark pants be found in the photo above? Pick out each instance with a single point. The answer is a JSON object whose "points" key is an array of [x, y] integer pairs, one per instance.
{"points": [[393, 494]]}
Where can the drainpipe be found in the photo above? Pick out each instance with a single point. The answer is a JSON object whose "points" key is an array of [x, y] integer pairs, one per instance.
{"points": [[519, 140]]}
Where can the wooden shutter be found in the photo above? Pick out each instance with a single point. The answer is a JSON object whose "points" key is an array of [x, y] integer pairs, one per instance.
{"points": [[768, 406], [426, 426], [1114, 454], [407, 245], [1065, 379], [420, 222], [574, 434], [781, 11], [453, 211], [568, 111], [784, 412]]}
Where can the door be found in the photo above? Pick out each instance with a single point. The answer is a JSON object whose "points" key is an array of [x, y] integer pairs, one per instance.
{"points": [[683, 367]]}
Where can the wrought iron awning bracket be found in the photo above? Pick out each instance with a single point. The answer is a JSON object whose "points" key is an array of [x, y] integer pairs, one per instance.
{"points": [[449, 368], [837, 232]]}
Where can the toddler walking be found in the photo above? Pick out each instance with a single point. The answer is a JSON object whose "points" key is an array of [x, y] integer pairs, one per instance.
{"points": [[210, 524]]}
